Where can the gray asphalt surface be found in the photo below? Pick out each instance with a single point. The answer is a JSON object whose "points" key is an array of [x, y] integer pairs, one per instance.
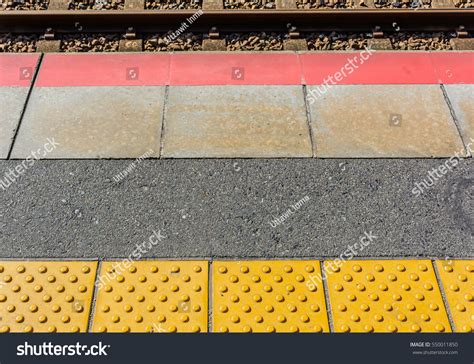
{"points": [[226, 208]]}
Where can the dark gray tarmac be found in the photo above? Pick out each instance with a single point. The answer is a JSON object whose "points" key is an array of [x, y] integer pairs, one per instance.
{"points": [[226, 209]]}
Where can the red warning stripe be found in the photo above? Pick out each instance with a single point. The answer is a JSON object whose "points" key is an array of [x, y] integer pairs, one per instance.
{"points": [[282, 68], [454, 70], [17, 69], [368, 68], [144, 69], [235, 69]]}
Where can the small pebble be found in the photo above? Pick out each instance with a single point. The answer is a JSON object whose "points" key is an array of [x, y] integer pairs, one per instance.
{"points": [[255, 41], [336, 41], [166, 42], [18, 43], [402, 4], [173, 4], [422, 41], [24, 5], [327, 4], [464, 4], [90, 43], [96, 4], [249, 4]]}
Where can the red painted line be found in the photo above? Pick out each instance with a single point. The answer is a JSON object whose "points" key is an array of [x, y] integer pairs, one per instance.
{"points": [[61, 70], [196, 69], [377, 69], [452, 68], [17, 69], [235, 69]]}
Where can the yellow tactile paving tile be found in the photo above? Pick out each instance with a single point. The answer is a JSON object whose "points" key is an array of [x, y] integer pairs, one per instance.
{"points": [[457, 277], [45, 296], [268, 296], [152, 296], [385, 296]]}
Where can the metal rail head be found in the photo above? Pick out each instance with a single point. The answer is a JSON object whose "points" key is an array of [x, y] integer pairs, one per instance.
{"points": [[239, 20]]}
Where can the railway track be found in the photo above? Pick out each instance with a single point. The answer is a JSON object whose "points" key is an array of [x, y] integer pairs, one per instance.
{"points": [[232, 30], [238, 20]]}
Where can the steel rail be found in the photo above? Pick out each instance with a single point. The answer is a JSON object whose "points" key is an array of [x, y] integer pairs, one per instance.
{"points": [[237, 20]]}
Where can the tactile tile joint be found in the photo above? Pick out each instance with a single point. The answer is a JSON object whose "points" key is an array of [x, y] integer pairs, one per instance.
{"points": [[152, 296], [45, 296], [385, 296], [268, 296], [457, 277]]}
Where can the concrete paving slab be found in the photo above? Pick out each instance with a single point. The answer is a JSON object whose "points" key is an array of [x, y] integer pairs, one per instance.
{"points": [[462, 101], [16, 74], [236, 121], [12, 100], [93, 122], [237, 208], [389, 121]]}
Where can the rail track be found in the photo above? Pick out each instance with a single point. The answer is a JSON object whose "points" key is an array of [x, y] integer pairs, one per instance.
{"points": [[233, 30], [383, 20]]}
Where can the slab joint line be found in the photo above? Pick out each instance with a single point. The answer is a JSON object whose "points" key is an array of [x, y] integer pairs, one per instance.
{"points": [[326, 297], [163, 119], [444, 297], [455, 119], [95, 293], [210, 265], [309, 120], [25, 105]]}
